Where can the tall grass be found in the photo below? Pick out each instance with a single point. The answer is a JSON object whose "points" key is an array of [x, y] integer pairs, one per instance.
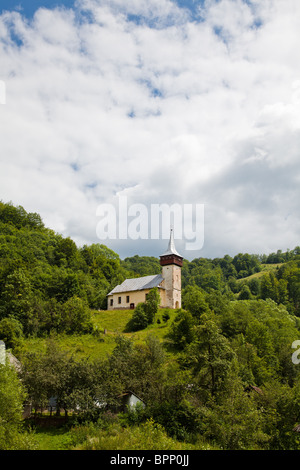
{"points": [[146, 436]]}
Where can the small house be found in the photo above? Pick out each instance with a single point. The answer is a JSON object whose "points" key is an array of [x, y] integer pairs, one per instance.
{"points": [[130, 400]]}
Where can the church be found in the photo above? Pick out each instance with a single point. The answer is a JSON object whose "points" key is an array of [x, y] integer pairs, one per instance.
{"points": [[133, 291]]}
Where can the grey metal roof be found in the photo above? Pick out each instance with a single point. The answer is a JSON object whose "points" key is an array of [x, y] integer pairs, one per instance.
{"points": [[139, 283], [171, 247]]}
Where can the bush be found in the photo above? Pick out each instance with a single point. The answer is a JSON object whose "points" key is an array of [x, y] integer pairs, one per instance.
{"points": [[181, 330], [11, 331], [166, 315], [12, 396], [144, 313], [178, 419], [138, 320], [147, 436], [151, 304]]}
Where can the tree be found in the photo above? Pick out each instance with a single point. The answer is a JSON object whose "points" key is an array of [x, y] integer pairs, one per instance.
{"points": [[17, 297], [11, 331], [144, 312], [12, 397], [209, 355], [232, 418], [166, 315], [245, 293], [56, 374], [76, 316], [269, 287], [66, 249], [181, 330], [193, 300], [44, 374], [151, 304], [254, 286], [139, 320]]}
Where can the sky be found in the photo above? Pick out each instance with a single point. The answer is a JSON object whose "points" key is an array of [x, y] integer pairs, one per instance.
{"points": [[154, 102]]}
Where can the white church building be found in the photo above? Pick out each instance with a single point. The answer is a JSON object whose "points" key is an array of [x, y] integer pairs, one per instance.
{"points": [[133, 291]]}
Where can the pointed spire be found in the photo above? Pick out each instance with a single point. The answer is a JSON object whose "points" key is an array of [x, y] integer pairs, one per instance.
{"points": [[171, 247]]}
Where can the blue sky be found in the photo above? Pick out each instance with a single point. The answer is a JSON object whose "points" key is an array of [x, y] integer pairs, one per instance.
{"points": [[160, 103], [28, 7]]}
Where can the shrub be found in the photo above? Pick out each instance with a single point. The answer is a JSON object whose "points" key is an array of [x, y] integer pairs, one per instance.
{"points": [[11, 331], [138, 320], [147, 436]]}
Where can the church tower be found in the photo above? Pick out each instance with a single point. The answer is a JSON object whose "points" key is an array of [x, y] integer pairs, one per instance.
{"points": [[171, 262]]}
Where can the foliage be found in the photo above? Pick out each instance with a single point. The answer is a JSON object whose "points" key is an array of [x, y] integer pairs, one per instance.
{"points": [[11, 331], [217, 373], [46, 282], [181, 330], [12, 395], [138, 320], [144, 313], [232, 419], [193, 300], [142, 265], [147, 436], [209, 356], [151, 304], [179, 419]]}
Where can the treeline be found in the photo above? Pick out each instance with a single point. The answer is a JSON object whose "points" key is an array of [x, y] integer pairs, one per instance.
{"points": [[235, 276], [222, 376], [47, 283]]}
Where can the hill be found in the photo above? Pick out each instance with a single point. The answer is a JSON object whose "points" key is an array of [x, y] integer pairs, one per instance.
{"points": [[265, 269], [48, 284], [222, 372], [108, 325]]}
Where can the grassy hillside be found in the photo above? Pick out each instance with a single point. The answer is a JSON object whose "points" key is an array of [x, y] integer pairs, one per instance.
{"points": [[235, 332], [108, 324], [265, 268]]}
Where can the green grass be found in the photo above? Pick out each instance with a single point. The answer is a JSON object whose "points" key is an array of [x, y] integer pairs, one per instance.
{"points": [[146, 436], [99, 345], [114, 321], [266, 268], [92, 346], [53, 438]]}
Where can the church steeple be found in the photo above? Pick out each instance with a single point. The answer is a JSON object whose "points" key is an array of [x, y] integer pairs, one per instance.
{"points": [[171, 262], [171, 256]]}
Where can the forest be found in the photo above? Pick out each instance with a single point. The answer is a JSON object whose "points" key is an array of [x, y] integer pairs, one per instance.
{"points": [[221, 373]]}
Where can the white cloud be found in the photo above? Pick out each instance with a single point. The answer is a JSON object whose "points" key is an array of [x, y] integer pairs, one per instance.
{"points": [[165, 108]]}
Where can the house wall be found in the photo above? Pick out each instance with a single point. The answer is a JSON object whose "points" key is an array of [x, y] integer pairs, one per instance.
{"points": [[133, 400], [170, 292], [135, 297]]}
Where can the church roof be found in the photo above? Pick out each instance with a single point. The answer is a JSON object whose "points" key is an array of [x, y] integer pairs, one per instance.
{"points": [[171, 247], [139, 283]]}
